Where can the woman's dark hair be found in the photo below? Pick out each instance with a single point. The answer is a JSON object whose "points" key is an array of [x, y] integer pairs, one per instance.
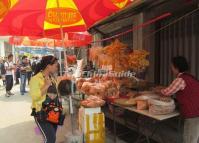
{"points": [[52, 89], [65, 87], [45, 61], [10, 56], [180, 63]]}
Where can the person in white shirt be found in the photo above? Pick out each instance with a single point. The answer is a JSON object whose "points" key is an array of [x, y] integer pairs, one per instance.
{"points": [[9, 67]]}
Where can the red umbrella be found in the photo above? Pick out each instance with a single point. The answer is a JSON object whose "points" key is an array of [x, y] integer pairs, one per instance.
{"points": [[5, 5], [46, 17]]}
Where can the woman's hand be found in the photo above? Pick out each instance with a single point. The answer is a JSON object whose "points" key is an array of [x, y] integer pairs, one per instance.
{"points": [[158, 89], [48, 82], [46, 85]]}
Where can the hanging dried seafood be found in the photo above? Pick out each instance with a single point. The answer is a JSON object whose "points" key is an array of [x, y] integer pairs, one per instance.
{"points": [[138, 60], [117, 56]]}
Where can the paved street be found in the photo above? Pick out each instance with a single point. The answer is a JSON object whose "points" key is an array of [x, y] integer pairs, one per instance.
{"points": [[16, 124]]}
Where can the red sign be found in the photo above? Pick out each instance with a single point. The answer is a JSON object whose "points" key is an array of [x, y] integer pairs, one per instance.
{"points": [[15, 40], [79, 36], [50, 43]]}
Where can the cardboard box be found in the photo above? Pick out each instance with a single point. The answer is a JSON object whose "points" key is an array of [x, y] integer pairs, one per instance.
{"points": [[92, 124]]}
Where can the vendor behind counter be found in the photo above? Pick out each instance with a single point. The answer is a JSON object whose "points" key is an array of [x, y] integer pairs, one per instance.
{"points": [[186, 88]]}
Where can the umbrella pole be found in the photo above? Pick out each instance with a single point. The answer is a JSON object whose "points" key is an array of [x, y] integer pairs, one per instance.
{"points": [[62, 38], [71, 113], [65, 63], [63, 46], [54, 47], [71, 107]]}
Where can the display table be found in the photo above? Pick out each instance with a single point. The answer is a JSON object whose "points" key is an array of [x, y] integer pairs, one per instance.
{"points": [[146, 113], [155, 120]]}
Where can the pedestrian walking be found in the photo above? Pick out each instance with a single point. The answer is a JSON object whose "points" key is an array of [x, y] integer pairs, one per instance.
{"points": [[23, 74], [29, 71], [9, 67]]}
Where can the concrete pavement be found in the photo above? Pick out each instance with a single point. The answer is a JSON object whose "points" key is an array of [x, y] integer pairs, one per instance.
{"points": [[16, 124]]}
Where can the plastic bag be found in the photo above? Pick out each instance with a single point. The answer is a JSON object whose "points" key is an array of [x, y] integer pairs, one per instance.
{"points": [[161, 106]]}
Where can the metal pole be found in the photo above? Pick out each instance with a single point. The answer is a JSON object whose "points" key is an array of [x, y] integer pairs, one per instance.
{"points": [[54, 47], [65, 63], [13, 51], [62, 36]]}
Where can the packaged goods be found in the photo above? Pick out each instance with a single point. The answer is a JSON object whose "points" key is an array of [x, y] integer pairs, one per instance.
{"points": [[161, 106]]}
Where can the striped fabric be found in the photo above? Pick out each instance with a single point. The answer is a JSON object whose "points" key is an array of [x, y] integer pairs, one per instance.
{"points": [[177, 85]]}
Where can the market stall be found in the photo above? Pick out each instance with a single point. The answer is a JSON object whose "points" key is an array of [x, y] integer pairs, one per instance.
{"points": [[127, 93], [114, 86], [145, 106]]}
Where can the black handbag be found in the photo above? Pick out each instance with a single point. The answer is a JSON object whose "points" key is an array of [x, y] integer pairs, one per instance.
{"points": [[53, 111], [41, 115], [53, 108]]}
